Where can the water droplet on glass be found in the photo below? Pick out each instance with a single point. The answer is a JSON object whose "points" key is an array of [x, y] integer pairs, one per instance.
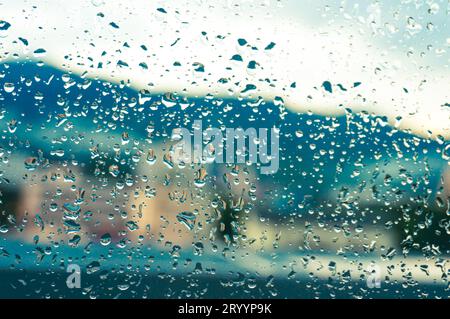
{"points": [[4, 26], [8, 87], [39, 53], [105, 240], [187, 219]]}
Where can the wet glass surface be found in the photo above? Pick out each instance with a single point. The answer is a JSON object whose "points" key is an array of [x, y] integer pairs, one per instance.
{"points": [[248, 149]]}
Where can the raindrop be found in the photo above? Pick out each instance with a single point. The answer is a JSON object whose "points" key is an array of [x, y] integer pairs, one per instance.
{"points": [[187, 219], [8, 87], [151, 157], [39, 53], [132, 226], [446, 152], [4, 26], [200, 178], [31, 163], [105, 240], [114, 170]]}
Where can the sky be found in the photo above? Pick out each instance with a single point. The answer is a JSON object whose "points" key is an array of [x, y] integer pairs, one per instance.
{"points": [[388, 58]]}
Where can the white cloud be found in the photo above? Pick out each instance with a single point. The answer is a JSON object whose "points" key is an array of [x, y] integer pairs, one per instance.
{"points": [[303, 54]]}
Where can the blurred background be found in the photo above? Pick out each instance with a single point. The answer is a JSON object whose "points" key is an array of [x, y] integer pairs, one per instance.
{"points": [[91, 91]]}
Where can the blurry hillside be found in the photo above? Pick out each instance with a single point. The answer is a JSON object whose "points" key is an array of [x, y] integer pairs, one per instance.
{"points": [[350, 183]]}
